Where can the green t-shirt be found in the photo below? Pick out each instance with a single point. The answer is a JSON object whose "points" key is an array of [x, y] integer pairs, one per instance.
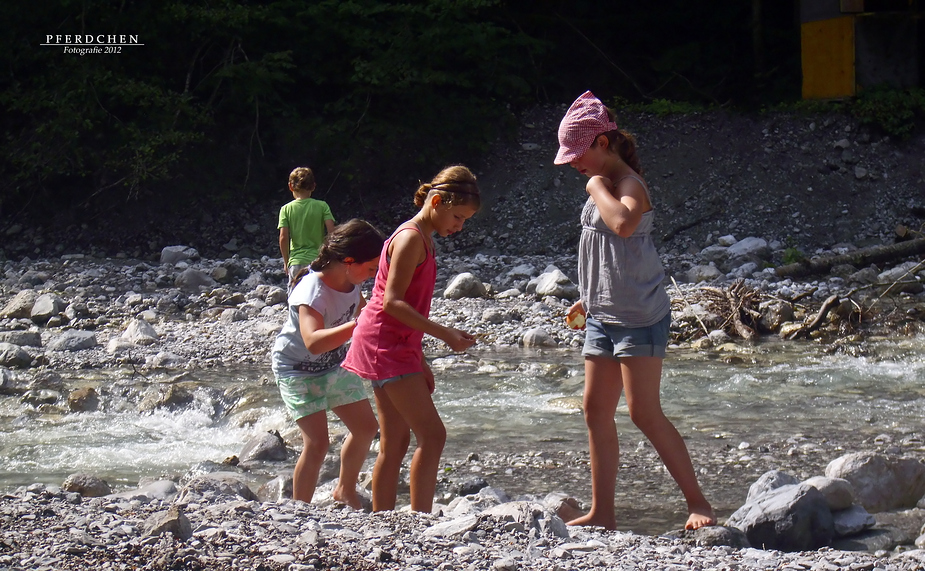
{"points": [[305, 219]]}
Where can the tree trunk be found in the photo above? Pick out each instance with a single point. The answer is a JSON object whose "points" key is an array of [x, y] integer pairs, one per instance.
{"points": [[858, 258]]}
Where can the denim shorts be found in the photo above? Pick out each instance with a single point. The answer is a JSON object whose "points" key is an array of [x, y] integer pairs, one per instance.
{"points": [[615, 341], [383, 382], [304, 396]]}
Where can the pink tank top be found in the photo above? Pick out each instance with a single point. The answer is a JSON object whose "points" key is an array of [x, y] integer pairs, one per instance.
{"points": [[382, 346]]}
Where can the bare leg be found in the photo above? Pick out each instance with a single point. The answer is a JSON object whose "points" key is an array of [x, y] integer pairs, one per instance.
{"points": [[642, 383], [410, 398], [314, 428], [361, 422], [603, 386], [394, 439]]}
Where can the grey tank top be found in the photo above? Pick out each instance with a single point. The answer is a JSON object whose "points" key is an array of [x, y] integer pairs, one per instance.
{"points": [[620, 279]]}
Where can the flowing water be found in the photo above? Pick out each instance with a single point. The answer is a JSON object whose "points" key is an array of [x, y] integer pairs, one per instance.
{"points": [[731, 409]]}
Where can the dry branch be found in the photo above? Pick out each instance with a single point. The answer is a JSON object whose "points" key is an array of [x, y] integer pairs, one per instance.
{"points": [[808, 328]]}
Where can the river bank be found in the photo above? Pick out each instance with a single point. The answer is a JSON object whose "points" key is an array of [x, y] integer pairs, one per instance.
{"points": [[133, 309]]}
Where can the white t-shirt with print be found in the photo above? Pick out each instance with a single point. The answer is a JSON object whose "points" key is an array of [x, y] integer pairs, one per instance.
{"points": [[290, 357]]}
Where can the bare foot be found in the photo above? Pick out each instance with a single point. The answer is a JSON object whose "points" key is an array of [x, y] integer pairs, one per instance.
{"points": [[593, 520], [700, 517], [344, 496]]}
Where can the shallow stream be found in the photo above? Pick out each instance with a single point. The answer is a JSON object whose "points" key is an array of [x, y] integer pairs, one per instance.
{"points": [[514, 418]]}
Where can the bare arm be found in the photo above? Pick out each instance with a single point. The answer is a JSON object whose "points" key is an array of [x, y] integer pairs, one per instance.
{"points": [[284, 246], [329, 226], [408, 250], [621, 208], [317, 339]]}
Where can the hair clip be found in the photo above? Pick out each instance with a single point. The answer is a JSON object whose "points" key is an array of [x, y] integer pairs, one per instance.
{"points": [[349, 260]]}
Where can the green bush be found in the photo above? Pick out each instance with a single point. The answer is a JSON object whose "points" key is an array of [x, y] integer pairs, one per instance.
{"points": [[893, 110], [793, 255]]}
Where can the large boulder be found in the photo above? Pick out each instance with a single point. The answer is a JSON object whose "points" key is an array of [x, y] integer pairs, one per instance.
{"points": [[20, 306], [45, 307], [174, 254], [86, 485], [22, 338], [140, 332], [465, 285], [556, 284], [768, 482], [73, 340], [789, 518], [837, 492], [881, 483], [268, 446], [14, 356]]}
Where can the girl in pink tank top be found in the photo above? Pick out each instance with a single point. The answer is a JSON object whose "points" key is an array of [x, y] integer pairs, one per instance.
{"points": [[386, 347]]}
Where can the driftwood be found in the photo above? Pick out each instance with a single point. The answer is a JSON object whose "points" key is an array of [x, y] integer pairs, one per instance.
{"points": [[858, 258], [811, 326], [732, 303]]}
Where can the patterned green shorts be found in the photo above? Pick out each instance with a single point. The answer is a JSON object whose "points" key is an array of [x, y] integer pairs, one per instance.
{"points": [[307, 395]]}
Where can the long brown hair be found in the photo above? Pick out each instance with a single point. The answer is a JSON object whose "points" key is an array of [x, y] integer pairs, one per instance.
{"points": [[354, 241], [623, 143]]}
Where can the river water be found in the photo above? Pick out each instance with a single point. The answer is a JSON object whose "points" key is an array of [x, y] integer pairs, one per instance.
{"points": [[789, 405]]}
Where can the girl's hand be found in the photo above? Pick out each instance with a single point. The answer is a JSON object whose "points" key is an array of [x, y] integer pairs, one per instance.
{"points": [[575, 319], [458, 340]]}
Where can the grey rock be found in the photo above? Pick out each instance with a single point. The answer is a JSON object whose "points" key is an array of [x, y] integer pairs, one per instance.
{"points": [[538, 337], [837, 491], [84, 399], [21, 305], [453, 528], [157, 490], [750, 246], [268, 446], [768, 482], [140, 332], [86, 485], [275, 295], [46, 306], [22, 338], [881, 482], [555, 284], [790, 518], [713, 536], [173, 521], [232, 315], [703, 273], [193, 280], [852, 521], [73, 340], [215, 483], [277, 489], [174, 254], [14, 356], [465, 285]]}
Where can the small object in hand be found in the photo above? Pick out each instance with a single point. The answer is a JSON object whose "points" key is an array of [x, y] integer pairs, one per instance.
{"points": [[575, 320]]}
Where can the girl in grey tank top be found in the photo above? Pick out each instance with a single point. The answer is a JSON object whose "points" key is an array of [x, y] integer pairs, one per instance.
{"points": [[620, 279]]}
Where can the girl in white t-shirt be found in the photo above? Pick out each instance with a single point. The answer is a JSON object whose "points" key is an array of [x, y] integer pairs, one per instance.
{"points": [[323, 307]]}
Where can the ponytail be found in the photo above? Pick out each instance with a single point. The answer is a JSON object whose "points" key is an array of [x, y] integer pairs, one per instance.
{"points": [[455, 184]]}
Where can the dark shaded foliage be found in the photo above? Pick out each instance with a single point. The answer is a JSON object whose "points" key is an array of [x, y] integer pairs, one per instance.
{"points": [[225, 97]]}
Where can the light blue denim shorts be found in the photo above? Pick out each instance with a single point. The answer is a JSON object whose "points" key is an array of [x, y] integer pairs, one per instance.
{"points": [[615, 341]]}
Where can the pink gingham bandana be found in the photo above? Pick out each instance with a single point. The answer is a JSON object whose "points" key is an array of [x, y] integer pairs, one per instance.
{"points": [[583, 122]]}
